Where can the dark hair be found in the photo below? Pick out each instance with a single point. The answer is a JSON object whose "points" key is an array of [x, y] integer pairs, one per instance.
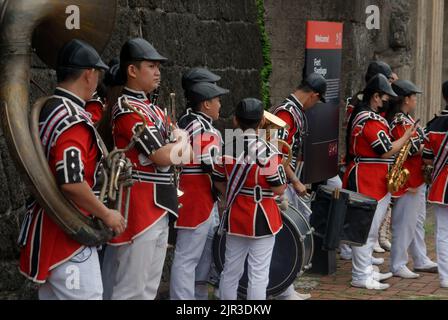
{"points": [[359, 106], [195, 106], [248, 124], [104, 126], [68, 74], [445, 90], [101, 90], [305, 88], [395, 105], [124, 68]]}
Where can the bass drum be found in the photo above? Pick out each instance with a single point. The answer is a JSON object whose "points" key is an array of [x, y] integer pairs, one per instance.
{"points": [[291, 257]]}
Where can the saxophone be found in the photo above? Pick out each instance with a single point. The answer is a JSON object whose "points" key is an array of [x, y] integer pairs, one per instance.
{"points": [[398, 175]]}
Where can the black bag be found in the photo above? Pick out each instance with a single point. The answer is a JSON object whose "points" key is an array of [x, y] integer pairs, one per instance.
{"points": [[347, 219]]}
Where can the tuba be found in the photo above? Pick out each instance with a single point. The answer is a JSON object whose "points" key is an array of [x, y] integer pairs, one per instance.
{"points": [[41, 25], [274, 123]]}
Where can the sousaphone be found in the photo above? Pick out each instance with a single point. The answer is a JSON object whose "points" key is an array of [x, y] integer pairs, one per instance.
{"points": [[40, 25]]}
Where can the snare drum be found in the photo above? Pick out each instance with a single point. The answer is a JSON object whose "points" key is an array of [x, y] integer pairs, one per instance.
{"points": [[291, 256]]}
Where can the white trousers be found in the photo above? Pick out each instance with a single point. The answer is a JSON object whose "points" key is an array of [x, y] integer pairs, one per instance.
{"points": [[404, 224], [418, 249], [206, 266], [133, 271], [259, 254], [362, 256], [190, 245], [77, 279], [442, 241]]}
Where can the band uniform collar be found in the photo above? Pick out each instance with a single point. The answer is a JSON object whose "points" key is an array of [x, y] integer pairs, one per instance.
{"points": [[201, 114], [135, 94], [64, 93], [296, 101]]}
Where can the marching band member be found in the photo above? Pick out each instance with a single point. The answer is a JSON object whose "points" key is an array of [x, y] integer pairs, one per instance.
{"points": [[411, 200], [374, 68], [48, 255], [435, 153], [133, 262], [292, 111], [198, 212], [370, 151], [254, 177], [206, 268]]}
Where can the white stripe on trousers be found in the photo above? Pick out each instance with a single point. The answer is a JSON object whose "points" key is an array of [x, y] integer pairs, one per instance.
{"points": [[362, 256], [418, 249], [259, 254], [404, 224], [442, 241]]}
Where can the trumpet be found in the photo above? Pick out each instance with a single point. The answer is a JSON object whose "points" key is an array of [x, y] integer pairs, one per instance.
{"points": [[274, 123]]}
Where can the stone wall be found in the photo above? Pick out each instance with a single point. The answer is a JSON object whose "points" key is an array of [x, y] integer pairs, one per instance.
{"points": [[394, 43], [222, 35], [445, 45]]}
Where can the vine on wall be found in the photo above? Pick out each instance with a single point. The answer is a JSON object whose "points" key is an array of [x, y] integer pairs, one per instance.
{"points": [[267, 63]]}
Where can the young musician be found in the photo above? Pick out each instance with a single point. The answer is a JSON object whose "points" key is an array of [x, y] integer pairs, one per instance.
{"points": [[198, 212], [370, 152], [410, 201], [312, 90], [435, 153], [133, 262], [254, 177], [48, 255]]}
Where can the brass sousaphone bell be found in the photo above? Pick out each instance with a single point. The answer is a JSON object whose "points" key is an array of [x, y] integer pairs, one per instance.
{"points": [[41, 25]]}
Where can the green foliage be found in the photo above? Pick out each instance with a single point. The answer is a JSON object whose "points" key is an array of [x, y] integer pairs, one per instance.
{"points": [[266, 47]]}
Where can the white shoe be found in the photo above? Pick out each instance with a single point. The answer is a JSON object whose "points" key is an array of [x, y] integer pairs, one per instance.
{"points": [[376, 269], [405, 273], [370, 284], [430, 267], [346, 257], [382, 276], [377, 261], [216, 293], [377, 248], [297, 296], [444, 284], [386, 245]]}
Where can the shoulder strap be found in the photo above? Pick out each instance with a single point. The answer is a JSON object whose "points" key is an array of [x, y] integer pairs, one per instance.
{"points": [[441, 158]]}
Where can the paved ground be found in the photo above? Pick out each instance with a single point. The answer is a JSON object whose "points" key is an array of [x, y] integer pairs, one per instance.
{"points": [[337, 287]]}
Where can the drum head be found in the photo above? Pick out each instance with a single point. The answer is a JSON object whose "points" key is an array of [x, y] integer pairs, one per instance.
{"points": [[288, 257]]}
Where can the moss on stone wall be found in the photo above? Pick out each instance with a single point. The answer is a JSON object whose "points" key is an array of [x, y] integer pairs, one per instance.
{"points": [[266, 49]]}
